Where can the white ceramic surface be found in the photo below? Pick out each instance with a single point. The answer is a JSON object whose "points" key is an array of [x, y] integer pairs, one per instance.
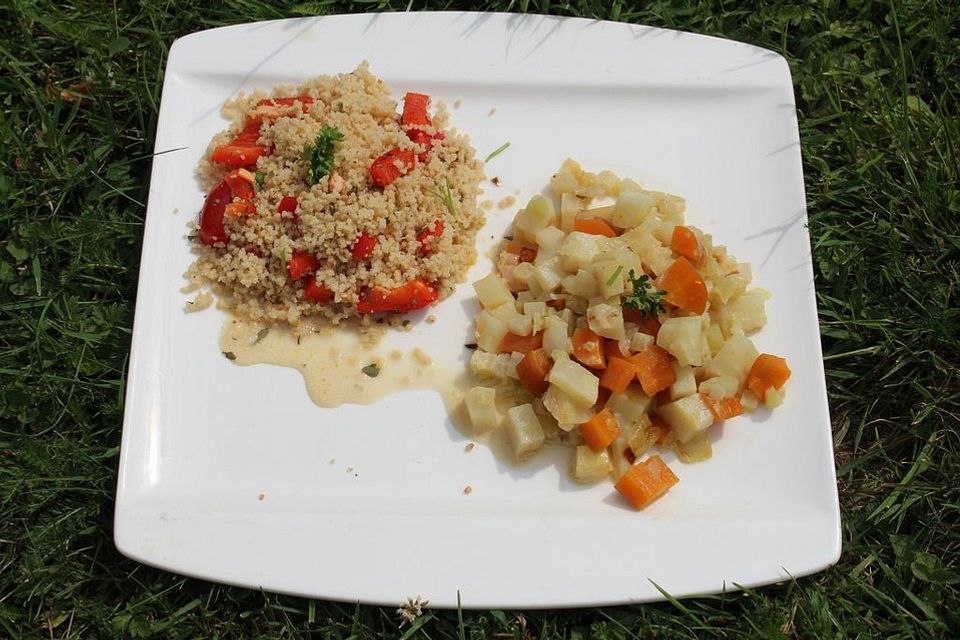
{"points": [[709, 119]]}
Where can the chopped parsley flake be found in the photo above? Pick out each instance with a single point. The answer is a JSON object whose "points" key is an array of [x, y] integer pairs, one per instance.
{"points": [[319, 155], [645, 298]]}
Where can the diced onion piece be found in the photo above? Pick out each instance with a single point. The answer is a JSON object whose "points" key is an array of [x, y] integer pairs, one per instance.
{"points": [[563, 182], [569, 208], [773, 398], [748, 401], [687, 416], [583, 284], [482, 408], [748, 310], [697, 449], [640, 342], [610, 277], [485, 365]]}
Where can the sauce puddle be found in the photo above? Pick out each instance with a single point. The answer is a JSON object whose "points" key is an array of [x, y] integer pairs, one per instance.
{"points": [[337, 367]]}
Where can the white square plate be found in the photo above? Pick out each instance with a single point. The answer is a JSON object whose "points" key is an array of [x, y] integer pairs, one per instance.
{"points": [[226, 472]]}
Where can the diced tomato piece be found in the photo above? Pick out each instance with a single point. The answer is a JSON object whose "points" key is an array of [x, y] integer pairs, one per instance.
{"points": [[414, 295], [288, 204], [317, 291], [392, 165], [363, 246], [239, 187], [415, 109], [301, 264]]}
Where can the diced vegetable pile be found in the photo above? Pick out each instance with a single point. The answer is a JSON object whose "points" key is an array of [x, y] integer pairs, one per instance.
{"points": [[612, 327]]}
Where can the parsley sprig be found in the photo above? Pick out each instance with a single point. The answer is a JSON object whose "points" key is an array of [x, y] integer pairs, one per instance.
{"points": [[645, 298], [319, 155]]}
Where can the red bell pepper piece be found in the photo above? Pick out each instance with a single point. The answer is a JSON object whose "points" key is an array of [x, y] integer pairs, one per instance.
{"points": [[220, 202], [363, 247], [300, 264], [288, 204], [243, 150], [317, 291], [384, 169], [427, 233], [414, 295], [211, 216], [415, 109], [421, 137], [274, 107]]}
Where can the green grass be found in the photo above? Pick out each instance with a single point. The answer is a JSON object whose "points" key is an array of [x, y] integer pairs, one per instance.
{"points": [[877, 95]]}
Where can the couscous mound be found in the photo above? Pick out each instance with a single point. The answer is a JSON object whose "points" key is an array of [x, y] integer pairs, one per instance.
{"points": [[325, 201]]}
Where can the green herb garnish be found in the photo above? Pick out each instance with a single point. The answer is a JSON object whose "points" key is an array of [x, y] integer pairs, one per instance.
{"points": [[261, 335], [616, 274], [372, 370], [319, 155], [445, 196], [258, 179], [645, 299], [496, 152]]}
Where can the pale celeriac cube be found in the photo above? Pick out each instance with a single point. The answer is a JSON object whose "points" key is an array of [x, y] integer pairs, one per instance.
{"points": [[549, 274], [563, 182], [686, 382], [556, 335], [582, 284], [492, 291], [671, 207], [610, 277], [629, 407], [524, 430], [578, 250], [734, 359], [605, 319], [538, 213], [567, 413], [490, 331], [697, 449], [589, 465], [574, 380], [641, 342], [773, 398], [549, 238], [482, 408], [720, 387], [681, 338], [632, 208], [748, 310], [687, 416]]}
